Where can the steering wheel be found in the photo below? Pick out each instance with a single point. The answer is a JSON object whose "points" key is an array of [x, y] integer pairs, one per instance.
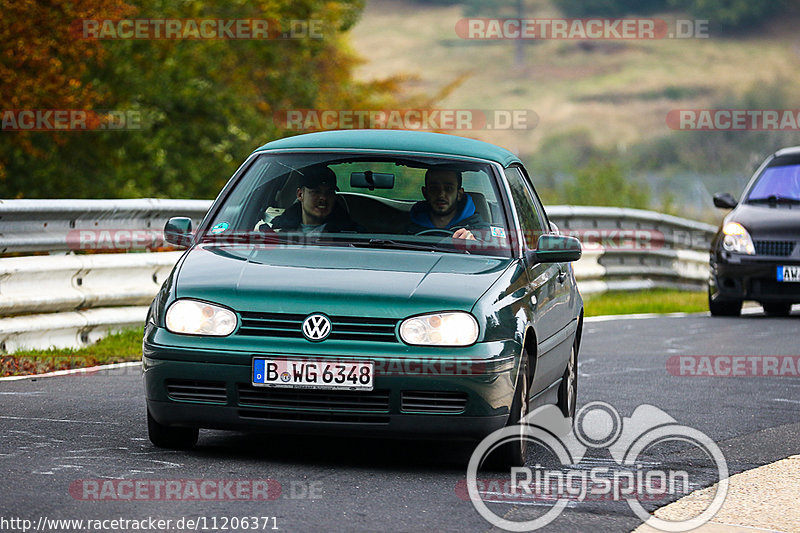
{"points": [[435, 231]]}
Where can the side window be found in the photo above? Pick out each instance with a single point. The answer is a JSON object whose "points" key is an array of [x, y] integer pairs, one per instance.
{"points": [[525, 202], [536, 201]]}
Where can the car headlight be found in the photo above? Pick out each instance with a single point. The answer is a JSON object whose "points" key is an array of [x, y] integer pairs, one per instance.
{"points": [[737, 239], [440, 329], [192, 317]]}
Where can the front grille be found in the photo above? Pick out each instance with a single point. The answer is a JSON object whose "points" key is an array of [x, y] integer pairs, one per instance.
{"points": [[774, 248], [314, 416], [376, 401], [342, 327], [197, 391], [444, 402]]}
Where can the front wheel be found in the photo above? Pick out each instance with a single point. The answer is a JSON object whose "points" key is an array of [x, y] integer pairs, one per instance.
{"points": [[568, 391], [513, 452], [724, 307], [173, 438]]}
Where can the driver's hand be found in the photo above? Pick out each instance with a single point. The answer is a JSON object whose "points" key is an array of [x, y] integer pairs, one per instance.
{"points": [[464, 233]]}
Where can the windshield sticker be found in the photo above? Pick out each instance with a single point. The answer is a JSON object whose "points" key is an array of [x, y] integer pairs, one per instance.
{"points": [[498, 232], [219, 228]]}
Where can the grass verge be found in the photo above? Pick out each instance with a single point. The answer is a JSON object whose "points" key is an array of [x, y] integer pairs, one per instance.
{"points": [[651, 301], [116, 348]]}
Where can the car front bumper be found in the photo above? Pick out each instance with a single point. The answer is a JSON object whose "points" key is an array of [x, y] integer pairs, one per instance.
{"points": [[198, 388], [737, 277]]}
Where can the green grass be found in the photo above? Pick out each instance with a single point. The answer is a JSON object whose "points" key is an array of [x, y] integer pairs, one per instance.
{"points": [[116, 348], [651, 301]]}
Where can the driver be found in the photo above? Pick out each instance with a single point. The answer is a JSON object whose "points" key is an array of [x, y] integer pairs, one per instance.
{"points": [[446, 206], [316, 209]]}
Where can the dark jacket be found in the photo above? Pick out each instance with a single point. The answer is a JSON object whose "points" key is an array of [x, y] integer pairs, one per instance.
{"points": [[291, 219], [466, 217]]}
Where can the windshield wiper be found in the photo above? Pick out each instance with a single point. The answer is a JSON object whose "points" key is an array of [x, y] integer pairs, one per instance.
{"points": [[773, 199], [400, 245]]}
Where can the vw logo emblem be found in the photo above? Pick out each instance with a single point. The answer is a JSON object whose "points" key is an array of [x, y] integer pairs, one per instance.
{"points": [[316, 327]]}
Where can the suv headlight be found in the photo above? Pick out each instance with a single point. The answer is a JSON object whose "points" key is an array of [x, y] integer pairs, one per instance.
{"points": [[737, 239], [440, 329], [193, 317]]}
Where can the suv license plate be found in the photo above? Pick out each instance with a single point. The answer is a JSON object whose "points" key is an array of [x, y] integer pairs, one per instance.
{"points": [[789, 273], [295, 374]]}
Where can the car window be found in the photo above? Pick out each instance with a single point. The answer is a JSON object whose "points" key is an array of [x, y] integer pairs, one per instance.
{"points": [[526, 204], [362, 195], [779, 182]]}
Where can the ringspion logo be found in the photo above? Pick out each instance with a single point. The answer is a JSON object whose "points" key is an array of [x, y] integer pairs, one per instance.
{"points": [[630, 476]]}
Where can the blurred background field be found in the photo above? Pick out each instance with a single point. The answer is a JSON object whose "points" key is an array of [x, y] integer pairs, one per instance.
{"points": [[601, 136]]}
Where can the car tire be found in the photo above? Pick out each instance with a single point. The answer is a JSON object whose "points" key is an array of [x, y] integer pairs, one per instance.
{"points": [[173, 438], [724, 307], [777, 309], [514, 452], [568, 390]]}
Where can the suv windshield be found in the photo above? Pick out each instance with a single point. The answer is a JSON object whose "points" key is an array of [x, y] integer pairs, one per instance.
{"points": [[778, 185], [400, 202]]}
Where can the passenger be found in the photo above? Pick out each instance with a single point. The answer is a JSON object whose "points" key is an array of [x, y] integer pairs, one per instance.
{"points": [[446, 206], [316, 209]]}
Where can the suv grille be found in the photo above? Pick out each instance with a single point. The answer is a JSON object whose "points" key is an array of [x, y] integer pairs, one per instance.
{"points": [[342, 327], [776, 248], [197, 391], [444, 402]]}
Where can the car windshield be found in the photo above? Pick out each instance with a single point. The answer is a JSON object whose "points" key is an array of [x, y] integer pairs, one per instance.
{"points": [[361, 200], [778, 185]]}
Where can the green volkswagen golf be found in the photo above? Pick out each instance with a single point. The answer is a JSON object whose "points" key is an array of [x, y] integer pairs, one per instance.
{"points": [[383, 283]]}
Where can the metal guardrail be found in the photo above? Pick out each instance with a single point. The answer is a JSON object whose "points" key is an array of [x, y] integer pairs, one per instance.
{"points": [[70, 300], [64, 225]]}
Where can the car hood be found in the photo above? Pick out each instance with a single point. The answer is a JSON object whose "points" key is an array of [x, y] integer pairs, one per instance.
{"points": [[336, 280], [763, 221]]}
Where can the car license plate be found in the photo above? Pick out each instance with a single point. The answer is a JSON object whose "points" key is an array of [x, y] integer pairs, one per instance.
{"points": [[296, 374], [789, 273]]}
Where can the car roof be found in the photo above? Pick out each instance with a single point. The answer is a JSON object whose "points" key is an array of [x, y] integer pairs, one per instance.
{"points": [[397, 141], [791, 150]]}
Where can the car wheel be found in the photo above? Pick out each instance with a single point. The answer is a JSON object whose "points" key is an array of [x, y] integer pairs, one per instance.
{"points": [[777, 309], [568, 391], [174, 438], [724, 307], [514, 452]]}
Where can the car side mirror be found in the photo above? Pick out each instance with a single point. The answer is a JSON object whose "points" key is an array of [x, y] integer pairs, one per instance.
{"points": [[724, 200], [178, 231], [555, 249]]}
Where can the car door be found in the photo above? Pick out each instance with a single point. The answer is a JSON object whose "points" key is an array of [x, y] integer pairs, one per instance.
{"points": [[548, 286]]}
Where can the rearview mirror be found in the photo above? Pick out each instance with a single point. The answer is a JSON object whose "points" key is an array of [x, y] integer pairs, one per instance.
{"points": [[724, 200], [371, 180], [555, 249], [178, 231]]}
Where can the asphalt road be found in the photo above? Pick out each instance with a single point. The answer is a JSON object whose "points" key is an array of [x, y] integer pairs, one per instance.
{"points": [[58, 434]]}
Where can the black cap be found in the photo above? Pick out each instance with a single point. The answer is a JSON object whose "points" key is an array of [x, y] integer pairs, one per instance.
{"points": [[313, 177]]}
